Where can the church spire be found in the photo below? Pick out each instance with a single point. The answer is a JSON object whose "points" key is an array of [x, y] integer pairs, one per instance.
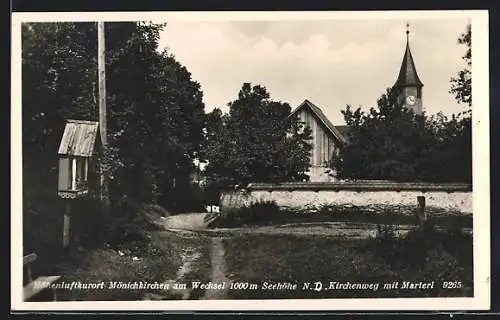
{"points": [[407, 33], [408, 73], [408, 87]]}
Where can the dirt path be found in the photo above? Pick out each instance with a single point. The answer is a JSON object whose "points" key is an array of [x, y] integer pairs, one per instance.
{"points": [[349, 230], [190, 255], [185, 221], [194, 225], [218, 275]]}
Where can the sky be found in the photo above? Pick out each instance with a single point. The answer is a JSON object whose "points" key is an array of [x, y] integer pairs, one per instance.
{"points": [[331, 62]]}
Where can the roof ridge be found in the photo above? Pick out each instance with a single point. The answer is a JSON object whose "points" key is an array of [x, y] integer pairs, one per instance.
{"points": [[323, 118], [82, 121], [79, 138]]}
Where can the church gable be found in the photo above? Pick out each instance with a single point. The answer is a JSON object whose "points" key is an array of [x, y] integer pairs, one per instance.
{"points": [[326, 139]]}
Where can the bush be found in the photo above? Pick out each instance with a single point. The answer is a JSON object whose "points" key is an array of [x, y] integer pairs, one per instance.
{"points": [[386, 244], [129, 223], [459, 244], [87, 223], [417, 243], [185, 198], [414, 249], [258, 213]]}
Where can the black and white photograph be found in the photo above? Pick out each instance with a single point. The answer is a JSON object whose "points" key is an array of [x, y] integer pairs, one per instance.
{"points": [[250, 161]]}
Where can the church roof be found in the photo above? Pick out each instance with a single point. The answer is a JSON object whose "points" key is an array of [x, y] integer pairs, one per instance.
{"points": [[408, 73], [344, 130], [322, 117]]}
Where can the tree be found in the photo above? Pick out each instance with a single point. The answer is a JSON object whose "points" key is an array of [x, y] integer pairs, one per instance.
{"points": [[257, 141], [461, 84], [155, 117], [59, 76], [155, 109], [383, 142], [392, 143], [451, 156]]}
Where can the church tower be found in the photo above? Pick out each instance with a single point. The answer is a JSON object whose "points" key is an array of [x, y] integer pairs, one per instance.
{"points": [[408, 87]]}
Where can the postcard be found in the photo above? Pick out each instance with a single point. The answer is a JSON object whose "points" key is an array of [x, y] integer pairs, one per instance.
{"points": [[250, 161]]}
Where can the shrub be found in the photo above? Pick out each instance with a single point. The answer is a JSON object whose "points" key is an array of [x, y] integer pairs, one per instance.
{"points": [[129, 223], [417, 243], [258, 213], [386, 244], [459, 244], [261, 212], [414, 249], [87, 227]]}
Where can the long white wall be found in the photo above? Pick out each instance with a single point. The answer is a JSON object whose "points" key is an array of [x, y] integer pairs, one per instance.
{"points": [[448, 197]]}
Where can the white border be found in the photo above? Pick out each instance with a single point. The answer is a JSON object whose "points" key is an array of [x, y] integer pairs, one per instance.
{"points": [[481, 176]]}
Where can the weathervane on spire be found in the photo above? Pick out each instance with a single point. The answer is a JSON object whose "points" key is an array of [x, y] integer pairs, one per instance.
{"points": [[407, 31]]}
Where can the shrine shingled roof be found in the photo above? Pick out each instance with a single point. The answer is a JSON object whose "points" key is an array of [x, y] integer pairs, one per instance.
{"points": [[79, 138]]}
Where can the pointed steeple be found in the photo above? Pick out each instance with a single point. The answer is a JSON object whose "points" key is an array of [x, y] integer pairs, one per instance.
{"points": [[408, 73]]}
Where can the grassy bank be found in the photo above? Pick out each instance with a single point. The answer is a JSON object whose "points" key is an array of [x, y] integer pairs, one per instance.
{"points": [[160, 262], [109, 265], [126, 250], [280, 259]]}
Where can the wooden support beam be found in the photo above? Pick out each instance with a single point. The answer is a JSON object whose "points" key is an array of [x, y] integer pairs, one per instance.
{"points": [[67, 224]]}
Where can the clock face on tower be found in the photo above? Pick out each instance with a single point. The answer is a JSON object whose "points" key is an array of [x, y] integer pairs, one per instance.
{"points": [[410, 100]]}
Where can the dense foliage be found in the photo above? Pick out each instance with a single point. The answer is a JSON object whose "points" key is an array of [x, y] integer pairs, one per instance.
{"points": [[413, 249], [257, 213], [391, 143], [256, 141], [155, 111], [155, 117], [461, 85]]}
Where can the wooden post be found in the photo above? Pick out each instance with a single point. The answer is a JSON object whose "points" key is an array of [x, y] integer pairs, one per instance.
{"points": [[421, 210], [66, 223], [101, 67]]}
